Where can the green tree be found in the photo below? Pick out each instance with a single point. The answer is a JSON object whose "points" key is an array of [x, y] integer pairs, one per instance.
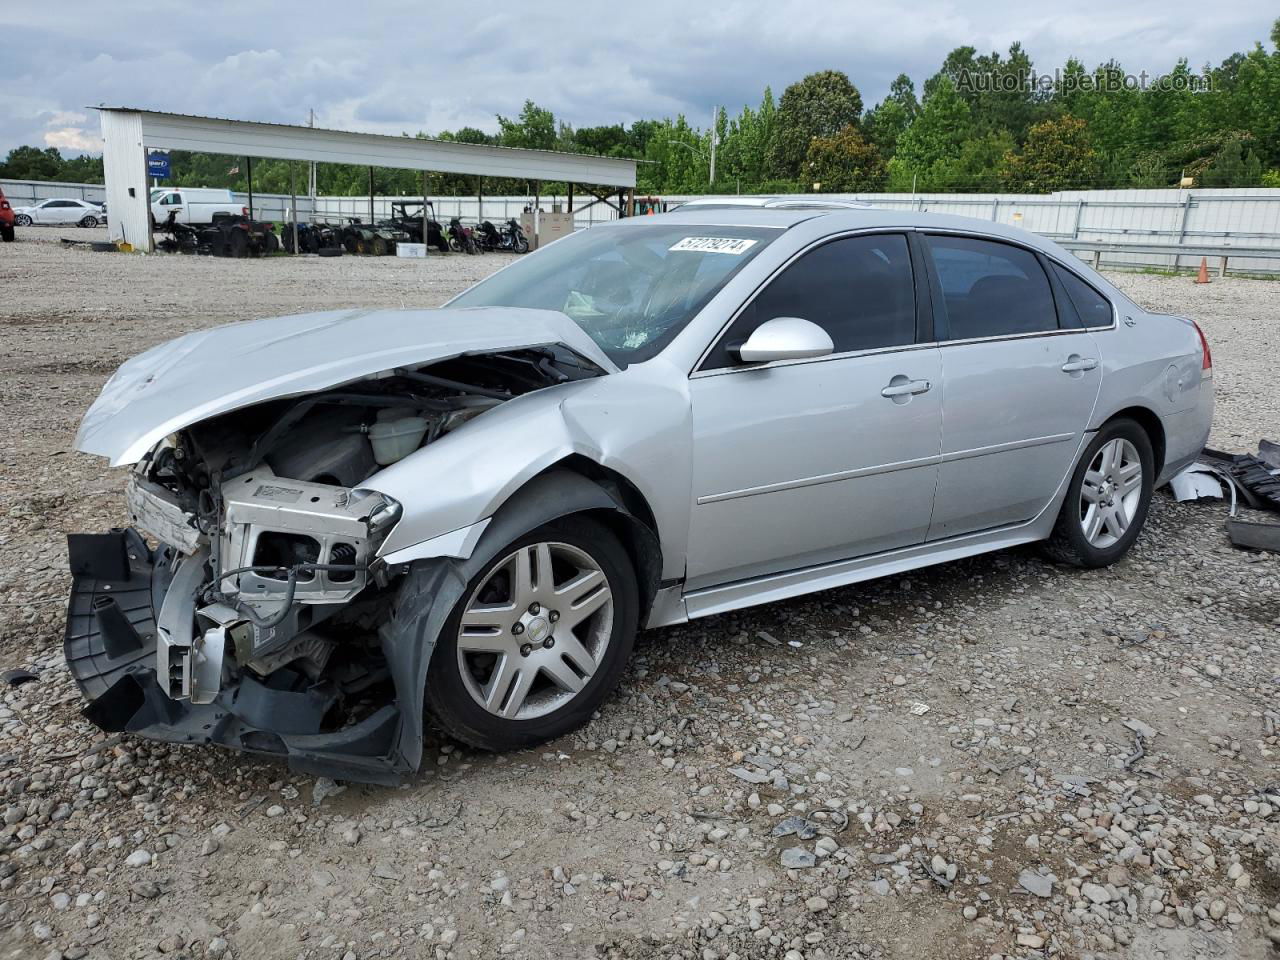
{"points": [[927, 152], [32, 163], [844, 163], [1234, 167], [888, 121], [1058, 155], [820, 105], [535, 128]]}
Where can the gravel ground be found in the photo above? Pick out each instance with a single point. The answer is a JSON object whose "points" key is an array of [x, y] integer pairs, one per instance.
{"points": [[997, 757]]}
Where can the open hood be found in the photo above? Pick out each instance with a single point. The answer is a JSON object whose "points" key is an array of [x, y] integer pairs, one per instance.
{"points": [[212, 372]]}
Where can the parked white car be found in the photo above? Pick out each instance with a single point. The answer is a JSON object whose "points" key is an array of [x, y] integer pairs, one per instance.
{"points": [[196, 206], [84, 213]]}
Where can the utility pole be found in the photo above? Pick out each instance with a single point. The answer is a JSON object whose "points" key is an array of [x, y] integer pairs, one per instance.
{"points": [[715, 133], [311, 178]]}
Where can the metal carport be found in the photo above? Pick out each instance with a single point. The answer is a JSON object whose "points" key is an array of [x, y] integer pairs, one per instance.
{"points": [[129, 133]]}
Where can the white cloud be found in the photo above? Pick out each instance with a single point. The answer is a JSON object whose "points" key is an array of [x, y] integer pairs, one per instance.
{"points": [[401, 65]]}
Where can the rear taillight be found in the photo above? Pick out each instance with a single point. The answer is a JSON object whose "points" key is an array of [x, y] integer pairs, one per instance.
{"points": [[1206, 358], [4, 204]]}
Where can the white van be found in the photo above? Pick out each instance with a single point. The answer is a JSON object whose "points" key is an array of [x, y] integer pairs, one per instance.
{"points": [[194, 206]]}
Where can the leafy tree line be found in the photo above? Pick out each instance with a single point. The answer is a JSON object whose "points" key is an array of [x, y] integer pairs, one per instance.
{"points": [[976, 125]]}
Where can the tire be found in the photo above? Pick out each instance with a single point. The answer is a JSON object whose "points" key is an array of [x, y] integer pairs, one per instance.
{"points": [[22, 220], [454, 245], [238, 244], [89, 222], [7, 234], [330, 251], [522, 245], [270, 242], [550, 710], [1114, 514], [378, 247]]}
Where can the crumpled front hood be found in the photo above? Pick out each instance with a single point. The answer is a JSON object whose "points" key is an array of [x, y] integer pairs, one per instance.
{"points": [[211, 372]]}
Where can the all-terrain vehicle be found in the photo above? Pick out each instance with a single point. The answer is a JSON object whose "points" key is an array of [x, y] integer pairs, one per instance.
{"points": [[407, 216]]}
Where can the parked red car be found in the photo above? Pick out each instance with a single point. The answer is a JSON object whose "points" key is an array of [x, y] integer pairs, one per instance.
{"points": [[6, 219]]}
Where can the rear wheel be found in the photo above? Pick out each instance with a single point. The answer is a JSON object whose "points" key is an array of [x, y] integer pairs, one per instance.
{"points": [[1108, 498], [6, 234], [539, 639], [22, 220], [378, 247], [238, 244], [89, 221]]}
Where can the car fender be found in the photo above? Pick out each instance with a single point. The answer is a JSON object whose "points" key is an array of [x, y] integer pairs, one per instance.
{"points": [[637, 427]]}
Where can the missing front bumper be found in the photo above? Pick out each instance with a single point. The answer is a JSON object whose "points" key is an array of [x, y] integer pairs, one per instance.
{"points": [[119, 591]]}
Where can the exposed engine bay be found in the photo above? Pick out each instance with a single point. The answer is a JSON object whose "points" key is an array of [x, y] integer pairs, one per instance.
{"points": [[261, 596]]}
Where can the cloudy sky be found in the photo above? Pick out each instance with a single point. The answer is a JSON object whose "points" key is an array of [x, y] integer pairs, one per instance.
{"points": [[391, 67]]}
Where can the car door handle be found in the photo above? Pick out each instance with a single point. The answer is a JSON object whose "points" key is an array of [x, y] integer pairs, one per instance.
{"points": [[902, 387], [1077, 364]]}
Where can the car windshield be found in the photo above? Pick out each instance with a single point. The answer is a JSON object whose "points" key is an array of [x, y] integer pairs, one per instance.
{"points": [[631, 289]]}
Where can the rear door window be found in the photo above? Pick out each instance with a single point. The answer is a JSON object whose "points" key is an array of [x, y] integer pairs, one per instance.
{"points": [[990, 289], [859, 289]]}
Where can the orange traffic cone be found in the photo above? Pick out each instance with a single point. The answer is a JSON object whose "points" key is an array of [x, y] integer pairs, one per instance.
{"points": [[1204, 271]]}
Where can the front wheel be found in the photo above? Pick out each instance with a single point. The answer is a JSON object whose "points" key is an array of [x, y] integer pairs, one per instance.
{"points": [[1108, 498], [539, 639], [521, 245], [22, 220]]}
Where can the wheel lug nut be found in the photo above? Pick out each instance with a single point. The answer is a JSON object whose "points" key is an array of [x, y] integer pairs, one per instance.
{"points": [[525, 650], [553, 616], [517, 628], [534, 608], [548, 643]]}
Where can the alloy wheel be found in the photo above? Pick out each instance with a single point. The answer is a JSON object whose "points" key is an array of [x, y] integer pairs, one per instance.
{"points": [[534, 631], [1110, 493]]}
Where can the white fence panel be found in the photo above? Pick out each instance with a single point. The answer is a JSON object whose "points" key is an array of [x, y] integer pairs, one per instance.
{"points": [[1245, 217]]}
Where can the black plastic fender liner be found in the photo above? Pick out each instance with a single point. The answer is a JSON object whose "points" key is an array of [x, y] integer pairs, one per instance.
{"points": [[432, 588], [119, 636], [95, 662]]}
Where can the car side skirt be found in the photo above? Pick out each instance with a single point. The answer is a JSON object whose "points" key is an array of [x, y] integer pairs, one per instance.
{"points": [[793, 583]]}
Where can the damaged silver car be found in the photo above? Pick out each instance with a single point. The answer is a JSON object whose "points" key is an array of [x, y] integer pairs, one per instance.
{"points": [[343, 522]]}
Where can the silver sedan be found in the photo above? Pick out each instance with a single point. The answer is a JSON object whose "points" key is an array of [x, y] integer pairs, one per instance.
{"points": [[364, 516]]}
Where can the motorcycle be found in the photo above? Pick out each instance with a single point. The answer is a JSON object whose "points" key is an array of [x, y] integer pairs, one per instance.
{"points": [[487, 236], [513, 238], [461, 239]]}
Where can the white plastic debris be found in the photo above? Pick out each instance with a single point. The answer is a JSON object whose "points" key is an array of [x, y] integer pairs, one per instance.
{"points": [[1195, 483]]}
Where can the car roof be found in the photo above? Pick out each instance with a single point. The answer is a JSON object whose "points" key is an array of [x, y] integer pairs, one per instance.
{"points": [[839, 219], [785, 202]]}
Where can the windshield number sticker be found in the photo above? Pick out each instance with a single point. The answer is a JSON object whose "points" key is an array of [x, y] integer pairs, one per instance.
{"points": [[731, 245]]}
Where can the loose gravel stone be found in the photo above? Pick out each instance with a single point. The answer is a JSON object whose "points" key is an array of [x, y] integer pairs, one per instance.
{"points": [[924, 727]]}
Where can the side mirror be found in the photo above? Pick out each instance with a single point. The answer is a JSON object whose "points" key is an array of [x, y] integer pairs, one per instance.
{"points": [[785, 338]]}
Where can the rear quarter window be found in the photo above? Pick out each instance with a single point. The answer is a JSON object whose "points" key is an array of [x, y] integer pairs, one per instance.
{"points": [[1092, 307]]}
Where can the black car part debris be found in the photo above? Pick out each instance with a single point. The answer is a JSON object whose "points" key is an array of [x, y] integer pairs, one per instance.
{"points": [[1256, 477], [1256, 481], [1251, 535], [18, 676]]}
